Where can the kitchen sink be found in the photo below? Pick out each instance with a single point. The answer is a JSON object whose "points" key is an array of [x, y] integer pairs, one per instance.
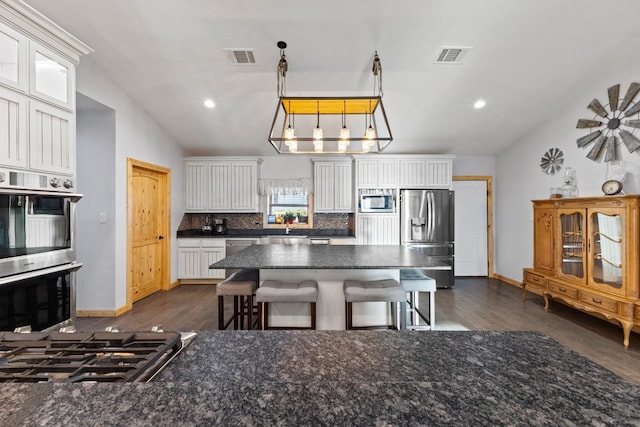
{"points": [[284, 240]]}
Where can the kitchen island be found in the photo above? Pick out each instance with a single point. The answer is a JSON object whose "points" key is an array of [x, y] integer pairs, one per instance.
{"points": [[345, 378], [330, 266]]}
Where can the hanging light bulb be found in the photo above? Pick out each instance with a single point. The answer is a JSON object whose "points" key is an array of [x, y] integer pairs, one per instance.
{"points": [[290, 132], [293, 145], [344, 131], [370, 133], [317, 132]]}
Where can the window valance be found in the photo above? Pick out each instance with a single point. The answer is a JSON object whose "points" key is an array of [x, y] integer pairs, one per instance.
{"points": [[286, 186]]}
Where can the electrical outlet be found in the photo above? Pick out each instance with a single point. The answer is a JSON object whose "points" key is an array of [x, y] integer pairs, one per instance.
{"points": [[102, 217]]}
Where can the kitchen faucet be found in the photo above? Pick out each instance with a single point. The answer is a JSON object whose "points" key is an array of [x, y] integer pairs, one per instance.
{"points": [[286, 229]]}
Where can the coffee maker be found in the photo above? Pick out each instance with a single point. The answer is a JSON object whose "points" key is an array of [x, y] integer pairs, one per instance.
{"points": [[220, 226]]}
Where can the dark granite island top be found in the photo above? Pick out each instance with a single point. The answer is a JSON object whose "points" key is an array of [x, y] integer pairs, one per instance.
{"points": [[346, 378], [326, 257]]}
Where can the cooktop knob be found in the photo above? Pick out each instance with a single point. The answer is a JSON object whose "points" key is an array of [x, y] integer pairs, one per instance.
{"points": [[55, 182], [67, 183]]}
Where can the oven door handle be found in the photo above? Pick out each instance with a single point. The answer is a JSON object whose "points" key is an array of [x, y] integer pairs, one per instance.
{"points": [[37, 273]]}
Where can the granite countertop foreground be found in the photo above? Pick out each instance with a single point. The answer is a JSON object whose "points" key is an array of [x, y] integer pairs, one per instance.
{"points": [[294, 378]]}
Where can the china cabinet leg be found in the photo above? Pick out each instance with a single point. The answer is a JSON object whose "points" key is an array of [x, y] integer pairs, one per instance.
{"points": [[546, 301], [524, 292], [626, 329]]}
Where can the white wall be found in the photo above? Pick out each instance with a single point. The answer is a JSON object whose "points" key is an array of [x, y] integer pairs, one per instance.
{"points": [[139, 137], [95, 241], [519, 178]]}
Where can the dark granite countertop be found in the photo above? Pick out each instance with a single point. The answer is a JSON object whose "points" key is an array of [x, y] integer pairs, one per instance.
{"points": [[257, 233], [346, 378], [328, 257]]}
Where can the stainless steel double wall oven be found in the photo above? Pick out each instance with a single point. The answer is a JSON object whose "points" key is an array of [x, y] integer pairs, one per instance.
{"points": [[37, 252]]}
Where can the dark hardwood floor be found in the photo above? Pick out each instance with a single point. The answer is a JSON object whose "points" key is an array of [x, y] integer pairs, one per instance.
{"points": [[473, 304]]}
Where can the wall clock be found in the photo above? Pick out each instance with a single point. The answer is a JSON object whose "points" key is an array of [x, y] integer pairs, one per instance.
{"points": [[612, 124], [551, 161]]}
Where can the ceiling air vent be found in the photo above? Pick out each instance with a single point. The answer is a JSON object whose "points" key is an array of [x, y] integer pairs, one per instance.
{"points": [[452, 55], [240, 56]]}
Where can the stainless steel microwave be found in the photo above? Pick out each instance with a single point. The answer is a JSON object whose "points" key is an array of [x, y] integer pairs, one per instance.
{"points": [[376, 203]]}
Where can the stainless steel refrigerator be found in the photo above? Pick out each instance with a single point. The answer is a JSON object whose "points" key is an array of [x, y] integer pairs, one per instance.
{"points": [[426, 226]]}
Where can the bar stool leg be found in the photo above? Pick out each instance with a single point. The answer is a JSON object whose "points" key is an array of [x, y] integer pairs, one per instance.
{"points": [[250, 312], [265, 314], [313, 316], [415, 304], [403, 315], [220, 312], [432, 309]]}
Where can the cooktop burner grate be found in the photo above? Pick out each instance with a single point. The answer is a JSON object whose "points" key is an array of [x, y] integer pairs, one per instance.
{"points": [[80, 356]]}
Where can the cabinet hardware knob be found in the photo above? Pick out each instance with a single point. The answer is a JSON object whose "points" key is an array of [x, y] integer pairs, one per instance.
{"points": [[160, 237], [596, 301]]}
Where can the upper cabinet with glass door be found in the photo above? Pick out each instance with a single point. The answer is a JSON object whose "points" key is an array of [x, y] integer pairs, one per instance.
{"points": [[607, 250], [573, 243], [13, 59], [51, 78]]}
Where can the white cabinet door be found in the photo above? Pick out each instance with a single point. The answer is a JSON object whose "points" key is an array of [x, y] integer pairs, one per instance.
{"points": [[189, 263], [343, 185], [13, 125], [377, 173], [332, 182], [377, 229], [219, 189], [425, 173], [52, 141], [244, 187], [209, 256], [196, 184], [13, 58], [51, 78]]}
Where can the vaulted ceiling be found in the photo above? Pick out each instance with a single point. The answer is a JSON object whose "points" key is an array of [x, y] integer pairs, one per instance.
{"points": [[527, 58]]}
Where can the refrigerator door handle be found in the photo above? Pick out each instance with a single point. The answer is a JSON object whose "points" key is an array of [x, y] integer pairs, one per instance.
{"points": [[432, 216]]}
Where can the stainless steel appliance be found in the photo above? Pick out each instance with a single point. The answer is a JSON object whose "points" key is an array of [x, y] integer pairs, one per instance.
{"points": [[37, 258], [377, 202], [20, 180], [426, 226], [220, 226], [233, 246]]}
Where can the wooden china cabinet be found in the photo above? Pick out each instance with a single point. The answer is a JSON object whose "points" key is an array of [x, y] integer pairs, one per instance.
{"points": [[587, 254]]}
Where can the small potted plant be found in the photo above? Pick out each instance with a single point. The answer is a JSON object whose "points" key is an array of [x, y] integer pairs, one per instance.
{"points": [[289, 217]]}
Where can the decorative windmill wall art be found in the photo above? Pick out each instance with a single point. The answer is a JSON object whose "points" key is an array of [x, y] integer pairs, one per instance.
{"points": [[613, 123], [551, 162]]}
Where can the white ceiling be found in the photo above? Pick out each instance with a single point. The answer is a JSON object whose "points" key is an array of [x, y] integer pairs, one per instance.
{"points": [[529, 58]]}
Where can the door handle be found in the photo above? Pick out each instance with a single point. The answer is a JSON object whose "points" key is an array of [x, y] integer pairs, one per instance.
{"points": [[160, 237]]}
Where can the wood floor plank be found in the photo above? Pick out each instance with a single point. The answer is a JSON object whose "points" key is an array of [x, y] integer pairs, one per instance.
{"points": [[473, 304]]}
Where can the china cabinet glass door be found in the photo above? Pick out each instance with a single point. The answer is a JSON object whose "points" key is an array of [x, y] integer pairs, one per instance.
{"points": [[606, 250], [572, 249]]}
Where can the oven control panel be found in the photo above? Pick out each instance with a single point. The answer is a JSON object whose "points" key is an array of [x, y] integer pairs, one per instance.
{"points": [[35, 181]]}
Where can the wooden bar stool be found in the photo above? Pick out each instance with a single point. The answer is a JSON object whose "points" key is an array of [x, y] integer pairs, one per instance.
{"points": [[242, 286], [305, 291], [388, 290], [414, 282]]}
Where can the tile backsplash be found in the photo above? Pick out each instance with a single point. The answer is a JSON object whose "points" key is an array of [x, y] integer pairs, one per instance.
{"points": [[254, 221]]}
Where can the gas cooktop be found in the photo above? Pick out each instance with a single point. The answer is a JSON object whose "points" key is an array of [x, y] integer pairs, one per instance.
{"points": [[87, 356]]}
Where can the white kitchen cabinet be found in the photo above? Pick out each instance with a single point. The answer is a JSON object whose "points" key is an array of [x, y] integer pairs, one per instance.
{"points": [[333, 190], [377, 229], [221, 185], [52, 141], [425, 173], [13, 120], [37, 92], [13, 58], [377, 173], [196, 255]]}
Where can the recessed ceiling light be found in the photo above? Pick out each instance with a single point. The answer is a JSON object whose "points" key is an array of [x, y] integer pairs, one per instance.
{"points": [[480, 103], [209, 103]]}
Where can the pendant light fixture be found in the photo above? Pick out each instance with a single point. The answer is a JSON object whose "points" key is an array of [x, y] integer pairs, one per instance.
{"points": [[286, 138]]}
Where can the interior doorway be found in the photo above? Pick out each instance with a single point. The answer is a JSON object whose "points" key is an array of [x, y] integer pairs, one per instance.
{"points": [[473, 226], [148, 219]]}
